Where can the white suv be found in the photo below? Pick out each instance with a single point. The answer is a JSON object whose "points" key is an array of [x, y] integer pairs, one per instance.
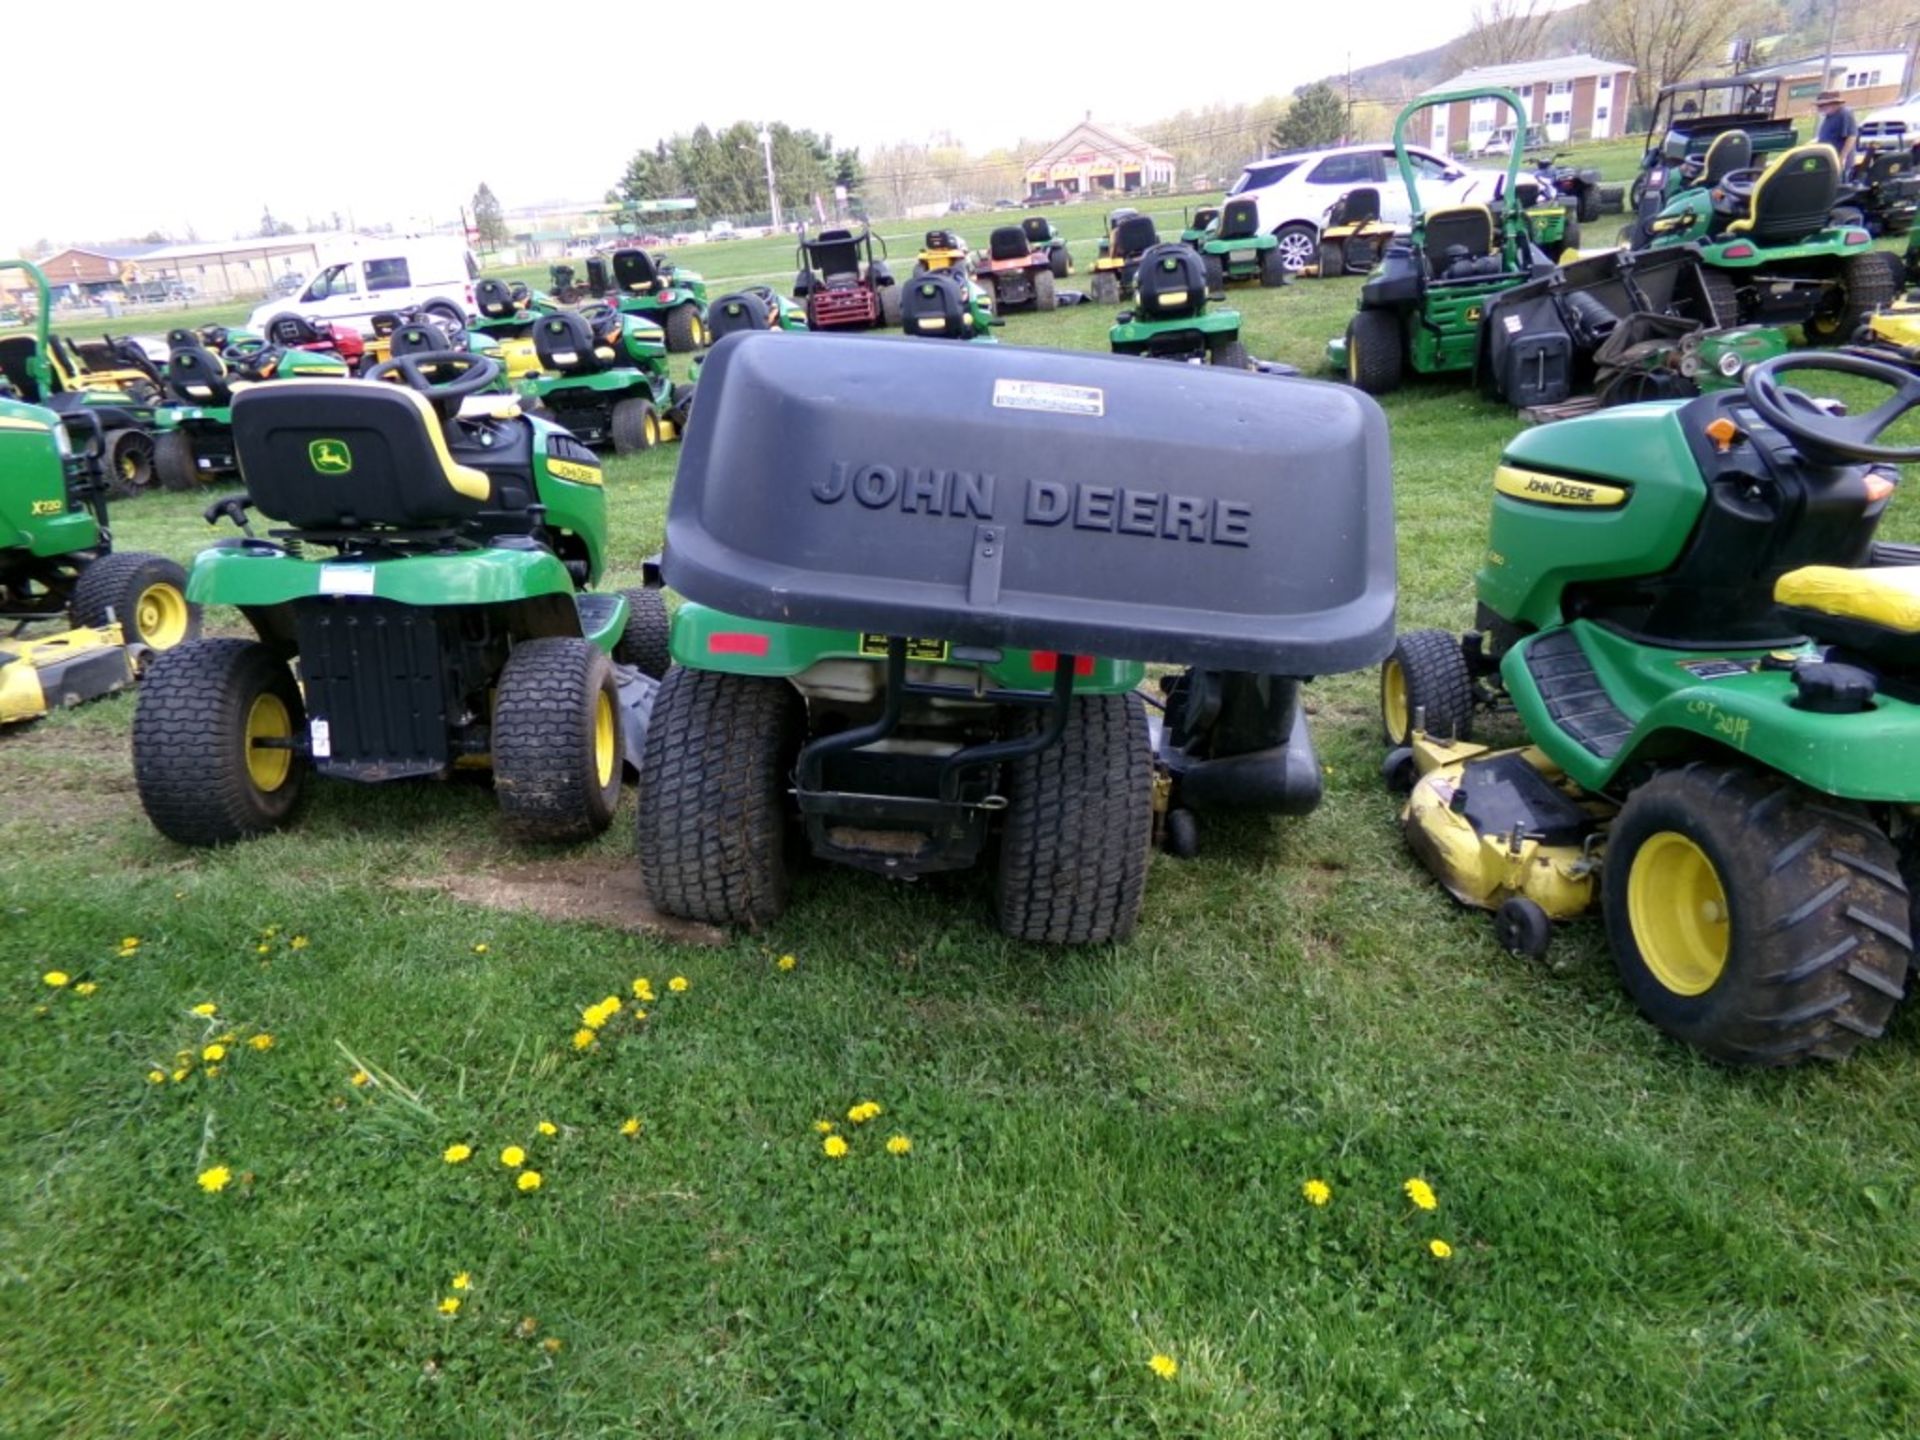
{"points": [[1294, 192]]}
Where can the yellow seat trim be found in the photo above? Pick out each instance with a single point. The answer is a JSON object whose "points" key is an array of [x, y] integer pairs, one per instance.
{"points": [[1888, 596], [1745, 223], [461, 479]]}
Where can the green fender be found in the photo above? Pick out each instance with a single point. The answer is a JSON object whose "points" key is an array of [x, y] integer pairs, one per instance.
{"points": [[1726, 251], [1873, 755], [36, 513], [704, 639], [237, 575], [1138, 332], [655, 386]]}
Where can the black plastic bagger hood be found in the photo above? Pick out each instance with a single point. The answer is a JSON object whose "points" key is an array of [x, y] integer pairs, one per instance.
{"points": [[991, 495]]}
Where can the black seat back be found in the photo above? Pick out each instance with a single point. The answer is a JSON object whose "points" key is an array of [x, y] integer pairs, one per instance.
{"points": [[935, 304], [565, 344], [385, 322], [1239, 220], [1793, 197], [634, 272], [1360, 206], [1467, 228], [494, 299], [597, 278], [742, 310], [346, 455], [943, 240], [1888, 165], [290, 330], [198, 376], [1134, 236], [1731, 150], [1171, 282], [423, 334], [1039, 229], [1008, 242], [15, 353], [835, 254], [1204, 217]]}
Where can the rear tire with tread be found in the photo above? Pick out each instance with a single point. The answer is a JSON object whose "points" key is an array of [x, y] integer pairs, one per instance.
{"points": [[1273, 270], [128, 461], [1230, 355], [173, 461], [1044, 296], [633, 425], [643, 643], [1374, 352], [1073, 856], [683, 330], [712, 827], [1060, 262], [549, 771], [890, 306], [1865, 284], [1333, 261]]}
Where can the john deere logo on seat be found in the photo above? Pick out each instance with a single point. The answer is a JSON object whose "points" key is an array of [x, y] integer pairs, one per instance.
{"points": [[329, 457]]}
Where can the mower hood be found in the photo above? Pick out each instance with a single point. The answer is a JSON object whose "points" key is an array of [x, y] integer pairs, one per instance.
{"points": [[1079, 503]]}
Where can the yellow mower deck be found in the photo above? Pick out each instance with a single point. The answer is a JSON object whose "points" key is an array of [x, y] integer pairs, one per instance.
{"points": [[62, 670]]}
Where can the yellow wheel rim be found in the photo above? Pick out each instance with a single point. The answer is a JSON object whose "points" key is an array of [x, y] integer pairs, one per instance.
{"points": [[267, 719], [605, 735], [652, 429], [160, 616], [1394, 715], [1678, 910], [1353, 360], [129, 466]]}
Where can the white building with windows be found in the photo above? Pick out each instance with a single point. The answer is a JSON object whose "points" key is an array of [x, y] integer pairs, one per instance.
{"points": [[1571, 97]]}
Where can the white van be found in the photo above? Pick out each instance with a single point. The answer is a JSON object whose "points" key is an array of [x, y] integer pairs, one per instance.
{"points": [[360, 278]]}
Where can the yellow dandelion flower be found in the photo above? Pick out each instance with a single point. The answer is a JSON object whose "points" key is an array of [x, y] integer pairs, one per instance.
{"points": [[529, 1180], [825, 1127], [610, 1004], [582, 1039], [269, 932], [214, 1052], [212, 1070], [462, 1281], [593, 1017], [643, 990], [1440, 1249], [262, 1041], [527, 1326], [85, 987], [450, 1305], [835, 1147], [639, 1014], [58, 979], [1165, 1366], [156, 1077], [866, 1110], [1421, 1194], [1317, 1192], [298, 942], [129, 942], [359, 1077], [551, 1344], [215, 1180], [180, 1075], [631, 1126], [262, 949], [481, 948], [513, 1157], [547, 1127], [786, 962], [206, 1008], [678, 984], [899, 1145], [457, 1154], [226, 1039]]}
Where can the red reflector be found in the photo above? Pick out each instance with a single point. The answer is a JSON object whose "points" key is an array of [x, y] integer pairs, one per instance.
{"points": [[736, 642], [1742, 251], [1858, 237], [1045, 662]]}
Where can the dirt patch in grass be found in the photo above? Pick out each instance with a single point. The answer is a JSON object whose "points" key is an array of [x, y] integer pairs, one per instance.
{"points": [[600, 892], [65, 779]]}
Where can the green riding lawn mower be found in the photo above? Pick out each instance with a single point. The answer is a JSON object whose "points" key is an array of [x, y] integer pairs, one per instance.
{"points": [[1770, 240], [1717, 672], [758, 307], [1129, 236], [915, 634], [603, 375], [423, 607], [653, 288], [193, 432], [1420, 311], [1171, 319], [57, 562], [1235, 249], [1043, 235], [945, 305], [504, 329]]}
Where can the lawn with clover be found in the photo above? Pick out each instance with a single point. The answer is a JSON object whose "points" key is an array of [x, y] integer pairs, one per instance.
{"points": [[304, 1140]]}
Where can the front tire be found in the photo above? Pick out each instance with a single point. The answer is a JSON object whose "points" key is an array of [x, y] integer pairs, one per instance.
{"points": [[1374, 359], [1060, 262], [147, 594], [1106, 288], [1216, 275], [1754, 920], [1273, 270], [1073, 857], [1865, 284], [1427, 671], [1230, 355], [683, 330], [213, 731], [129, 462], [1333, 261], [633, 425], [173, 461], [644, 642], [712, 827], [556, 740]]}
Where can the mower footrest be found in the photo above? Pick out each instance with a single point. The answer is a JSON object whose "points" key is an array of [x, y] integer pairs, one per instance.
{"points": [[1575, 699]]}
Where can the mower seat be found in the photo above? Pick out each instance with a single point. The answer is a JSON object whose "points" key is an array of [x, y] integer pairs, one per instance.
{"points": [[1134, 236], [1874, 613], [198, 376], [836, 255], [1240, 220], [494, 300], [1039, 229], [1459, 232], [943, 240], [384, 323], [1204, 217], [1793, 197], [1886, 167], [635, 273], [1009, 242], [1171, 283], [343, 455], [1357, 207], [293, 330], [935, 305], [567, 345], [15, 352], [742, 310], [1731, 150]]}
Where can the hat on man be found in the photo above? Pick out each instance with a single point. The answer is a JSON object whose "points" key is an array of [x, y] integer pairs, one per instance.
{"points": [[1827, 97]]}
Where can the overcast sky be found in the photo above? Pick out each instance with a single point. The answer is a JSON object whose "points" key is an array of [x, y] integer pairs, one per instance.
{"points": [[160, 117]]}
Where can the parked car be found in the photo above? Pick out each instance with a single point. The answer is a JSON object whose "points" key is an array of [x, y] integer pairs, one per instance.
{"points": [[1906, 114], [358, 279], [1048, 195], [1293, 192], [1500, 140]]}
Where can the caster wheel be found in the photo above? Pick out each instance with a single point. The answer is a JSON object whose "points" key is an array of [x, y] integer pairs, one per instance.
{"points": [[1522, 928]]}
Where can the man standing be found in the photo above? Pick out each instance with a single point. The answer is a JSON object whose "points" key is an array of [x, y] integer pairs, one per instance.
{"points": [[1838, 127]]}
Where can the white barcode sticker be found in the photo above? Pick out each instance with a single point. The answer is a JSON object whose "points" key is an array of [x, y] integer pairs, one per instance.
{"points": [[346, 580], [1054, 399], [320, 739]]}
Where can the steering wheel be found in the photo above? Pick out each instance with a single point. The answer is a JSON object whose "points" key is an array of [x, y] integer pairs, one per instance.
{"points": [[254, 364], [603, 320], [1843, 438], [1738, 185], [472, 372]]}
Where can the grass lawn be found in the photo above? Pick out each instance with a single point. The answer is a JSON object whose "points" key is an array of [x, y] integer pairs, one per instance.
{"points": [[1108, 1147]]}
